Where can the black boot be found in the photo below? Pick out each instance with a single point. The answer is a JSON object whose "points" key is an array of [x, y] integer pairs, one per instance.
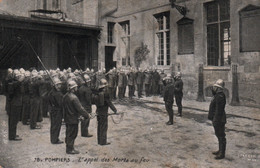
{"points": [[222, 150], [217, 152]]}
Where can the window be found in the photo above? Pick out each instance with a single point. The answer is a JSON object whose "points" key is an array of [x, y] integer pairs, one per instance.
{"points": [[163, 38], [125, 42], [44, 4], [218, 33], [185, 36], [110, 29]]}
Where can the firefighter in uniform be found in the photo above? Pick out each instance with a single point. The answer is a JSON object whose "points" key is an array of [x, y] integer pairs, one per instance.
{"points": [[217, 115], [139, 82], [15, 96], [55, 100], [131, 83], [178, 86], [102, 101], [85, 95], [35, 101], [72, 110], [26, 99], [169, 97]]}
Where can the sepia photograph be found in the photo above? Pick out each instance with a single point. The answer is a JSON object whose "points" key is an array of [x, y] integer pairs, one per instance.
{"points": [[129, 83]]}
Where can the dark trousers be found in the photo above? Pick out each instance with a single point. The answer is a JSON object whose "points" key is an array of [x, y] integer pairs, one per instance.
{"points": [[84, 127], [71, 135], [221, 135], [35, 112], [56, 120], [169, 109], [13, 120], [139, 89], [124, 89], [111, 92], [26, 109], [102, 129], [178, 99], [114, 92], [120, 92], [161, 90], [147, 89], [44, 107], [131, 90], [7, 105]]}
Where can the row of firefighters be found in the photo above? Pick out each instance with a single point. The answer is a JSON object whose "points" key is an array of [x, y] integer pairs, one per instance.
{"points": [[68, 95]]}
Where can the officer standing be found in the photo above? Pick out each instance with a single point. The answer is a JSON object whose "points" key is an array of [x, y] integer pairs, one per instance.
{"points": [[85, 95], [178, 86], [169, 97], [15, 96], [72, 110], [110, 80], [217, 115], [147, 82], [26, 99], [55, 100], [102, 102], [131, 83], [120, 84], [161, 85], [35, 101], [139, 82]]}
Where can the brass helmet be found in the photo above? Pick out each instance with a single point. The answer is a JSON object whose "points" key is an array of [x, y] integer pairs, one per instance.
{"points": [[87, 78], [103, 83], [56, 81], [219, 83], [72, 84]]}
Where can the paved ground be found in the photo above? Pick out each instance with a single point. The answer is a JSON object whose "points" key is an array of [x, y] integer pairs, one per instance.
{"points": [[141, 140]]}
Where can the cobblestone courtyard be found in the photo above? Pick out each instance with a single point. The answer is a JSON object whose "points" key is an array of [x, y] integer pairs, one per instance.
{"points": [[141, 140]]}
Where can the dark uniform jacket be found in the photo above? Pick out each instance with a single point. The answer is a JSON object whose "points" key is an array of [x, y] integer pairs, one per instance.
{"points": [[162, 75], [147, 78], [72, 109], [121, 80], [217, 112], [139, 77], [55, 100], [15, 93], [131, 78], [102, 101], [178, 86], [169, 93], [85, 95], [111, 80]]}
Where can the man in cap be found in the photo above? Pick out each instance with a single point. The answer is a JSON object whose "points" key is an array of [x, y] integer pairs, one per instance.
{"points": [[102, 102], [178, 86], [15, 96], [169, 97], [72, 110], [55, 100], [85, 95], [217, 115]]}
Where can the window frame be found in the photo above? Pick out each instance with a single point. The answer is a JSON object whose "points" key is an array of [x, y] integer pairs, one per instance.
{"points": [[164, 31], [220, 43]]}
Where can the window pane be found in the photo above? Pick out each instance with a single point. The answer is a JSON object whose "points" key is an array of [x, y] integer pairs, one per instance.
{"points": [[224, 9], [212, 12], [213, 44], [225, 43]]}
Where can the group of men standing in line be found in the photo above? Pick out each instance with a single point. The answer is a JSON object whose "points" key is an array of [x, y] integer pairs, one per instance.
{"points": [[68, 95]]}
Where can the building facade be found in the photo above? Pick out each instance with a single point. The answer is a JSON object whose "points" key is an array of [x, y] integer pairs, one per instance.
{"points": [[220, 36], [57, 30]]}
